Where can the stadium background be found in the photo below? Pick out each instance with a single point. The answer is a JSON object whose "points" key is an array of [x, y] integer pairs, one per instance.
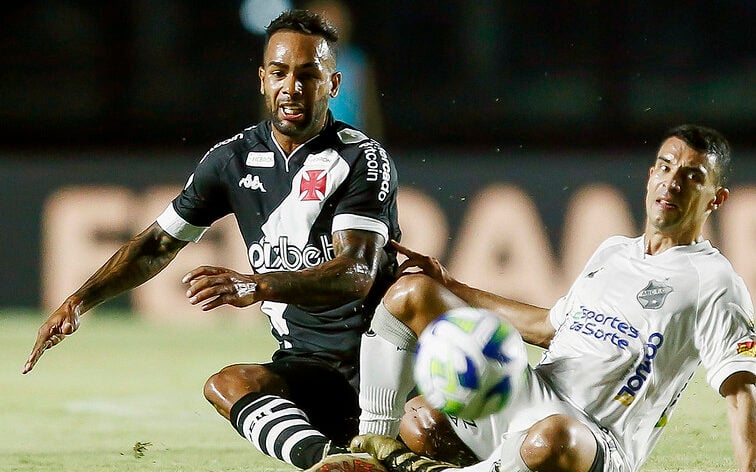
{"points": [[500, 116], [542, 98]]}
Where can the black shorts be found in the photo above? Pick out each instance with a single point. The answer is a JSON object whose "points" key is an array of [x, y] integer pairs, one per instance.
{"points": [[323, 393]]}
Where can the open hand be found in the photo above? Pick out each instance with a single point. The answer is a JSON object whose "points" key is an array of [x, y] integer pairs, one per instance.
{"points": [[428, 265], [63, 322]]}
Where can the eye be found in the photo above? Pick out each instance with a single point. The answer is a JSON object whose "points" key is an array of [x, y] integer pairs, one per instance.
{"points": [[306, 76], [695, 177]]}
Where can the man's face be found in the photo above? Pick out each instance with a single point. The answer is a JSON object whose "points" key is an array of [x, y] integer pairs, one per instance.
{"points": [[297, 78], [682, 189]]}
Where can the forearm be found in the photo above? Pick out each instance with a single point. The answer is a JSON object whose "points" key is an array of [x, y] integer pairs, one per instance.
{"points": [[531, 322], [745, 450], [330, 284], [743, 431], [741, 411], [347, 277], [137, 261]]}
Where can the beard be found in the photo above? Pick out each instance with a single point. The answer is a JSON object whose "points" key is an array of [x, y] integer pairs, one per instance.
{"points": [[303, 129]]}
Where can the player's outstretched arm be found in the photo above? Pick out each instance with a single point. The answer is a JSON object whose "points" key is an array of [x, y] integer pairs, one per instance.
{"points": [[531, 322], [134, 263], [345, 278], [739, 391]]}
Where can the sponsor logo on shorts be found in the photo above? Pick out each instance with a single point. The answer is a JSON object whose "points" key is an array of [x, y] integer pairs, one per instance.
{"points": [[635, 382], [747, 348], [652, 297]]}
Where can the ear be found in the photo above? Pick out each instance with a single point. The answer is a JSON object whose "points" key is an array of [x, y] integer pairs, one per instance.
{"points": [[335, 84], [261, 74], [721, 196]]}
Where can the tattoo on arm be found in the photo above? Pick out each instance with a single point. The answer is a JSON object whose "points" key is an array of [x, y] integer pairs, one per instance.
{"points": [[137, 261]]}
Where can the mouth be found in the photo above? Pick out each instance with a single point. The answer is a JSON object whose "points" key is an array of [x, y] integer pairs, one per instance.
{"points": [[291, 111], [666, 203]]}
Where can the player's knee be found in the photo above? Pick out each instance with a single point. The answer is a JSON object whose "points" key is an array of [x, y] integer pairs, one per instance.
{"points": [[407, 296], [232, 382], [427, 431], [558, 443], [215, 386]]}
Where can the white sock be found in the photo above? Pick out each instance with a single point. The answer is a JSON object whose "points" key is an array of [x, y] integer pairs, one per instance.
{"points": [[386, 356]]}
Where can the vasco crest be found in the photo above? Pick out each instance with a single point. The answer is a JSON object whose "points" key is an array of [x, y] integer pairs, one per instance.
{"points": [[652, 297]]}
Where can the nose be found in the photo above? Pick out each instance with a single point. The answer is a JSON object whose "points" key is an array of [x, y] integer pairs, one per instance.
{"points": [[292, 86], [674, 181]]}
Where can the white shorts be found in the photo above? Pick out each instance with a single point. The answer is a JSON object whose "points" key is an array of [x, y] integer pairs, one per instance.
{"points": [[497, 438]]}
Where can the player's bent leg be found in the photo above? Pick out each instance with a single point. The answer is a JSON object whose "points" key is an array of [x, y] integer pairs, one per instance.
{"points": [[385, 373], [417, 299], [233, 382], [264, 408], [386, 352], [428, 432], [556, 443], [559, 443]]}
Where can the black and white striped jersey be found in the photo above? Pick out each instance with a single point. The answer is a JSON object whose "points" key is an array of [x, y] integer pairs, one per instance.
{"points": [[287, 207]]}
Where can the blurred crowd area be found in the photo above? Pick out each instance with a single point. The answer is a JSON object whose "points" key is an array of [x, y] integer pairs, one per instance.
{"points": [[454, 73]]}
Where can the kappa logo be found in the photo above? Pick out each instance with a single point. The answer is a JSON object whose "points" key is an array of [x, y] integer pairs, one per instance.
{"points": [[312, 187], [252, 183], [652, 297]]}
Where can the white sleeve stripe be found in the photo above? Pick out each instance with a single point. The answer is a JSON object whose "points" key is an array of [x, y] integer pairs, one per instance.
{"points": [[348, 221], [179, 228]]}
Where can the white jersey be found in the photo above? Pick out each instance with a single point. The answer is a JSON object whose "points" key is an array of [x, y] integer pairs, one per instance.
{"points": [[634, 328]]}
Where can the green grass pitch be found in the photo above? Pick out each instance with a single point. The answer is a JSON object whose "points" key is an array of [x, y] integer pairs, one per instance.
{"points": [[126, 395]]}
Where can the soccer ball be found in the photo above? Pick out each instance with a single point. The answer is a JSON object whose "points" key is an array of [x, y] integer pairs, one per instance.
{"points": [[469, 362]]}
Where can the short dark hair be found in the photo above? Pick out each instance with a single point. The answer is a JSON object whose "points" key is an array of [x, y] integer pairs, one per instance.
{"points": [[305, 22], [706, 140]]}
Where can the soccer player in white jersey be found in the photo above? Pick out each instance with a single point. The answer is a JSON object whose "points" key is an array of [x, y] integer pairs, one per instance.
{"points": [[621, 345]]}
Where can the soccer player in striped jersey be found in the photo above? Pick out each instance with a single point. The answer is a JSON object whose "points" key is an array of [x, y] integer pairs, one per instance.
{"points": [[315, 201]]}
